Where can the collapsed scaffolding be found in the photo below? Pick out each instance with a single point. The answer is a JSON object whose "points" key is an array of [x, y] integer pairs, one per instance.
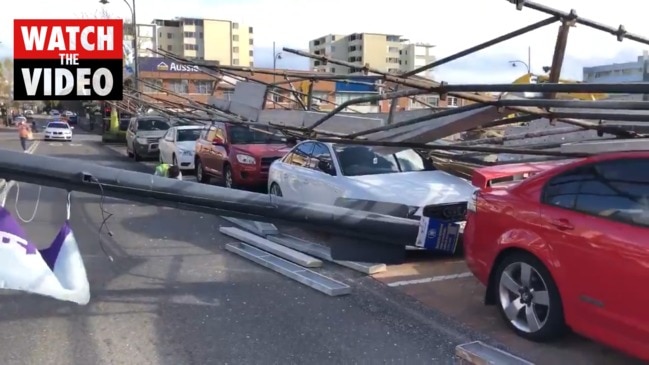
{"points": [[365, 236]]}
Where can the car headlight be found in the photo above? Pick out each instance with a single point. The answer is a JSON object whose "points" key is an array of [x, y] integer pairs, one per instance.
{"points": [[141, 140], [185, 152], [246, 159]]}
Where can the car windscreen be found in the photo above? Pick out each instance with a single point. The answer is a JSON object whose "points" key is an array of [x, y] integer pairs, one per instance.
{"points": [[185, 135], [58, 125], [364, 160], [239, 134], [152, 125]]}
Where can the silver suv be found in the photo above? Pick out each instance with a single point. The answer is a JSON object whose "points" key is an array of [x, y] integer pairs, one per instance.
{"points": [[143, 136]]}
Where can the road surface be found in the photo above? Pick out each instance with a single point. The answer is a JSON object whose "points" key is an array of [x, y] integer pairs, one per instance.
{"points": [[173, 295]]}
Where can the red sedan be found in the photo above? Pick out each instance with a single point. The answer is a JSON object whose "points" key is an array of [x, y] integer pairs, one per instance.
{"points": [[565, 245]]}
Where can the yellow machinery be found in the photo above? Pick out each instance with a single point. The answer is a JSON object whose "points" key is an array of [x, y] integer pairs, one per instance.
{"points": [[530, 78]]}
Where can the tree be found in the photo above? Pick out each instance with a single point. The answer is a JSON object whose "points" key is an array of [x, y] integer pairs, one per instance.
{"points": [[6, 77]]}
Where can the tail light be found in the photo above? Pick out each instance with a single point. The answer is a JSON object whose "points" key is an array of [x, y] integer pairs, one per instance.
{"points": [[472, 204]]}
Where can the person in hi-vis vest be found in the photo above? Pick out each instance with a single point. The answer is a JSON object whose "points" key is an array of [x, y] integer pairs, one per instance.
{"points": [[166, 170]]}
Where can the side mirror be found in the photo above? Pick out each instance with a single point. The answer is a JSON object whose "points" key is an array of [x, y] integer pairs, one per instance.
{"points": [[218, 141], [326, 167]]}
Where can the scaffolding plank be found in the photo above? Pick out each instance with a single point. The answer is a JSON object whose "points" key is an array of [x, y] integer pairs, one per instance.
{"points": [[272, 247], [479, 353], [259, 228], [304, 276], [324, 253]]}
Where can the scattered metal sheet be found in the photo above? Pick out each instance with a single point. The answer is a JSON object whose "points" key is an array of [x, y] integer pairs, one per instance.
{"points": [[272, 247], [259, 228], [324, 253], [307, 277], [479, 353]]}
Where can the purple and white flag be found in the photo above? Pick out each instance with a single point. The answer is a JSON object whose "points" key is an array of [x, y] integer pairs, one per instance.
{"points": [[57, 271]]}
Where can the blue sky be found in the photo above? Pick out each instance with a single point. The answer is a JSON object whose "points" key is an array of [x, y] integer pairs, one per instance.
{"points": [[451, 26]]}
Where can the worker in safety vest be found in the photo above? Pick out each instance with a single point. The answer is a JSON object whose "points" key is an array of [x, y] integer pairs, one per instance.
{"points": [[166, 170]]}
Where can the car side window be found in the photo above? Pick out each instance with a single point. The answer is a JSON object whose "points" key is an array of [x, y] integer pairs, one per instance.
{"points": [[562, 190], [220, 132], [321, 159], [619, 191], [203, 134], [300, 154], [170, 135], [211, 133], [616, 190]]}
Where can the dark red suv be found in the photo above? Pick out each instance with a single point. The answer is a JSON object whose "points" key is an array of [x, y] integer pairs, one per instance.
{"points": [[236, 155]]}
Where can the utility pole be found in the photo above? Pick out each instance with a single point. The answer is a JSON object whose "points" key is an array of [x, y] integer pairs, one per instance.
{"points": [[136, 69]]}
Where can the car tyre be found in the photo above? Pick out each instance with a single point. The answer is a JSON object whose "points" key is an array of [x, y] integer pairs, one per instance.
{"points": [[174, 160], [227, 177], [201, 177], [275, 190], [528, 298]]}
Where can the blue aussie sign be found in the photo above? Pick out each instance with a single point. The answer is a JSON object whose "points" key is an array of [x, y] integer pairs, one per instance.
{"points": [[160, 64]]}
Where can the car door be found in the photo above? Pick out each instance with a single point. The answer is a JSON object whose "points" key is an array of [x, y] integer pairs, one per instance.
{"points": [[319, 177], [130, 134], [220, 150], [167, 145], [599, 236], [208, 155], [293, 170]]}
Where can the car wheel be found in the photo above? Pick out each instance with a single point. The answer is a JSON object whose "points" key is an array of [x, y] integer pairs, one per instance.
{"points": [[528, 298], [174, 160], [227, 177], [201, 177], [275, 190]]}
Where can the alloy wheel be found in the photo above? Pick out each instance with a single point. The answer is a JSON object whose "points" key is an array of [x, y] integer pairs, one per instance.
{"points": [[524, 297]]}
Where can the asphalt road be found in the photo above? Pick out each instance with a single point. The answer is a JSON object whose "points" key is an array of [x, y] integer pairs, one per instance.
{"points": [[174, 296]]}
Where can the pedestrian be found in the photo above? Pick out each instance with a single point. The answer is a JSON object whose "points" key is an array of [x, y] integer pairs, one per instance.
{"points": [[25, 133]]}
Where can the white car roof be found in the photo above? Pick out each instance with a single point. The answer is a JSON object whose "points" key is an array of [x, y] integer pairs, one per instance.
{"points": [[189, 127]]}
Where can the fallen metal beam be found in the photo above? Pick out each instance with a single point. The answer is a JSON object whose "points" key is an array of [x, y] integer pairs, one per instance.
{"points": [[307, 277], [324, 253], [271, 247], [262, 229], [479, 353]]}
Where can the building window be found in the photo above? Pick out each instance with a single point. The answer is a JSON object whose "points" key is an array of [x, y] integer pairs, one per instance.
{"points": [[179, 86], [169, 47], [332, 70], [250, 30], [190, 34], [252, 64], [204, 87], [251, 42], [156, 85], [227, 94], [235, 62], [235, 49], [393, 49], [451, 101], [169, 35], [251, 53], [200, 35], [235, 38], [191, 47], [235, 25], [342, 97], [159, 34], [333, 48]]}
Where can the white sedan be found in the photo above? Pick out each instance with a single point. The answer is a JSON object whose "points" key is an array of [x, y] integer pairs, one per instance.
{"points": [[358, 176], [177, 146], [58, 131]]}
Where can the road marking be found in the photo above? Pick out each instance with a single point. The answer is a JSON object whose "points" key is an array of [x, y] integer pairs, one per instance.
{"points": [[7, 186], [430, 279]]}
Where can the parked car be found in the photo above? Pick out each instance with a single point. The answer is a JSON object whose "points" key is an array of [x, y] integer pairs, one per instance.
{"points": [[564, 245], [143, 136], [55, 112], [58, 131], [178, 145], [237, 155], [331, 174]]}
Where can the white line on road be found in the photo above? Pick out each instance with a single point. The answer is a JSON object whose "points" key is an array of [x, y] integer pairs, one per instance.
{"points": [[431, 279]]}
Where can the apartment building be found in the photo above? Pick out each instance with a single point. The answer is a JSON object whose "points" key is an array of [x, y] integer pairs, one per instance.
{"points": [[385, 52], [223, 41], [147, 39]]}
